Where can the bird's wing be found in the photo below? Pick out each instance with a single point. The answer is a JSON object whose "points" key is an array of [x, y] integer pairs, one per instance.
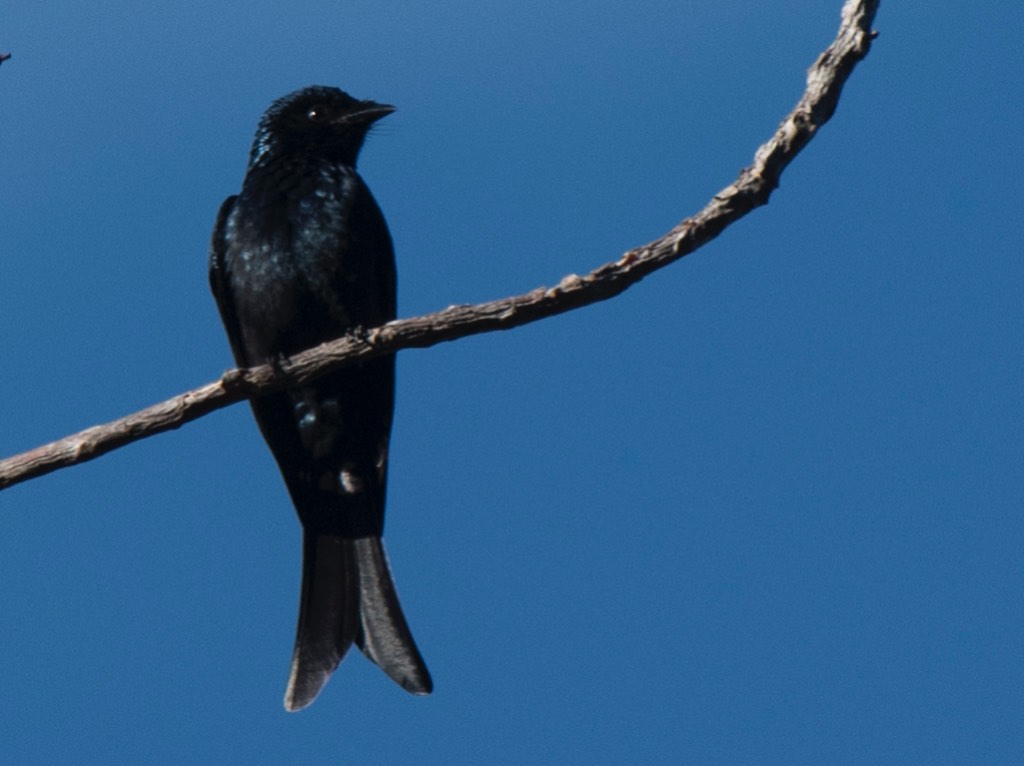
{"points": [[219, 279]]}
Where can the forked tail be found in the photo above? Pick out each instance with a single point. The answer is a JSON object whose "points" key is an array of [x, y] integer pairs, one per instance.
{"points": [[348, 597]]}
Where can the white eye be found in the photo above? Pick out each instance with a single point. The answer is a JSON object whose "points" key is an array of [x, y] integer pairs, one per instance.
{"points": [[317, 113]]}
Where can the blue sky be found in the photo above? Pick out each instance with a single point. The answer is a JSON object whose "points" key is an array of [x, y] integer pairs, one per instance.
{"points": [[763, 507]]}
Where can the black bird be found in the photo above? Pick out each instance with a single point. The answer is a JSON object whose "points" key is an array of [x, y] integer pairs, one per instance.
{"points": [[301, 256]]}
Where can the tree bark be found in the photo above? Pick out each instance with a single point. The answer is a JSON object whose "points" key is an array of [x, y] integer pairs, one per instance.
{"points": [[750, 190]]}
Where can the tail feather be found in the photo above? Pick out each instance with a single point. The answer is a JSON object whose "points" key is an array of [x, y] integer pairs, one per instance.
{"points": [[384, 635], [328, 615], [348, 597]]}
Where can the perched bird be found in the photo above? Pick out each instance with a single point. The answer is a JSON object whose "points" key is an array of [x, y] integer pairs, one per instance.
{"points": [[300, 256]]}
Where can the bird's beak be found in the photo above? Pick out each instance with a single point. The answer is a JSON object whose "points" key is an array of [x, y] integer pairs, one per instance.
{"points": [[370, 111]]}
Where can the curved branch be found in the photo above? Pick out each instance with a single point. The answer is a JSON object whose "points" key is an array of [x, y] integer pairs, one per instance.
{"points": [[750, 190]]}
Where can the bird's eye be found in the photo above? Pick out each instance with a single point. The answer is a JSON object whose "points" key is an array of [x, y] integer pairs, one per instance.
{"points": [[317, 113]]}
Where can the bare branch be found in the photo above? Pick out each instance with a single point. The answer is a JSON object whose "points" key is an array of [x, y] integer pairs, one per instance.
{"points": [[4, 57], [752, 189]]}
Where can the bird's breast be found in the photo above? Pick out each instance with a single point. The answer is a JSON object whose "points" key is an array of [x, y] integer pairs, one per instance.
{"points": [[290, 254]]}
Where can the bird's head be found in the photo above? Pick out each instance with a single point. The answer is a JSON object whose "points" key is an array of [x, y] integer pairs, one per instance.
{"points": [[319, 121]]}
